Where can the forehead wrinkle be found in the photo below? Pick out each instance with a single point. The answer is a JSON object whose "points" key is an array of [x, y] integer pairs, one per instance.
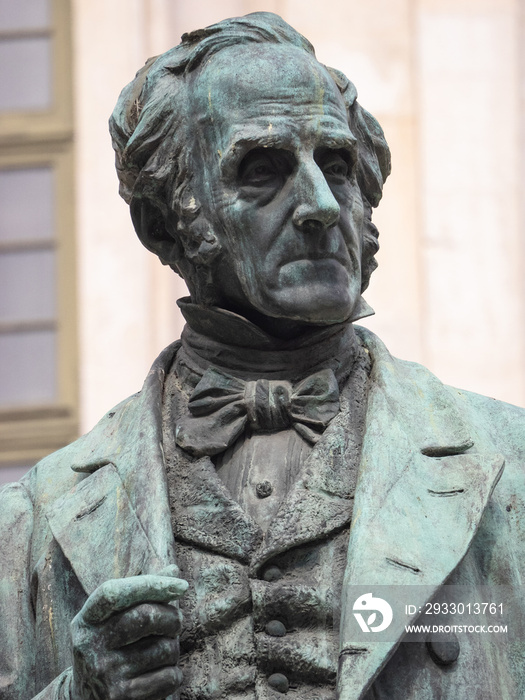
{"points": [[241, 126], [317, 97], [284, 96], [223, 97], [240, 93], [276, 132]]}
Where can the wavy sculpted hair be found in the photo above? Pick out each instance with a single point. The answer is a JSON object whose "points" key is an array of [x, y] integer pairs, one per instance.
{"points": [[150, 134]]}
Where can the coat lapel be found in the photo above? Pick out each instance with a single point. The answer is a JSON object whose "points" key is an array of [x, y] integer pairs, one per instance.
{"points": [[121, 508], [98, 511], [419, 501]]}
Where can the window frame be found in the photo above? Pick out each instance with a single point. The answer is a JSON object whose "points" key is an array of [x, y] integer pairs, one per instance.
{"points": [[35, 139], [54, 124]]}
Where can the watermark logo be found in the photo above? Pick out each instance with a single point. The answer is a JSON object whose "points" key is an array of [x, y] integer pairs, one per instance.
{"points": [[367, 603]]}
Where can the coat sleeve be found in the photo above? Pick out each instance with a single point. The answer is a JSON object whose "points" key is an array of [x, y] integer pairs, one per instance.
{"points": [[17, 635]]}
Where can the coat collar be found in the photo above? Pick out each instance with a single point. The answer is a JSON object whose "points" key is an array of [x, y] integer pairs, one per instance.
{"points": [[420, 496]]}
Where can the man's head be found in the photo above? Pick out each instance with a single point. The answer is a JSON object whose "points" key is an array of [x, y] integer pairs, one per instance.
{"points": [[251, 169]]}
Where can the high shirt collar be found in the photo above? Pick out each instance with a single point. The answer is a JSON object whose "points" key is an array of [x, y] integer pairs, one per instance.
{"points": [[215, 337]]}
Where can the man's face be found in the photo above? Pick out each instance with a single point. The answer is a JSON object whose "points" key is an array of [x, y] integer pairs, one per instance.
{"points": [[277, 183]]}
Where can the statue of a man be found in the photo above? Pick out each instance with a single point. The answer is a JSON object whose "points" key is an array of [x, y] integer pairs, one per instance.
{"points": [[277, 457]]}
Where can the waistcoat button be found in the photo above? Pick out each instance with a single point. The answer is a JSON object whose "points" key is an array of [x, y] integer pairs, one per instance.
{"points": [[443, 649], [263, 489], [275, 628], [279, 682], [272, 573]]}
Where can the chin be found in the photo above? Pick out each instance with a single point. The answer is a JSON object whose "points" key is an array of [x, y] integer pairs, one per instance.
{"points": [[317, 306]]}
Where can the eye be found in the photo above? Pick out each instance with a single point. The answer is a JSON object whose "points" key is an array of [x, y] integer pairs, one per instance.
{"points": [[336, 165], [337, 168], [259, 172], [264, 168]]}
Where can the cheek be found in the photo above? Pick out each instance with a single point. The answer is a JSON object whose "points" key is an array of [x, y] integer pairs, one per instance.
{"points": [[247, 228], [243, 259], [351, 224]]}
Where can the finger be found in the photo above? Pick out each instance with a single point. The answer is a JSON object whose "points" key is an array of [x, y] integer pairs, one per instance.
{"points": [[147, 655], [156, 685], [118, 594], [170, 570], [166, 680], [142, 621]]}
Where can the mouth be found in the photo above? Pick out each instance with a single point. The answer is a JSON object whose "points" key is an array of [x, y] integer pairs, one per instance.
{"points": [[318, 256], [324, 269]]}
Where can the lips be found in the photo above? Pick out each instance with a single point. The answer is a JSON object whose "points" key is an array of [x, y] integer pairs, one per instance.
{"points": [[317, 256], [327, 265]]}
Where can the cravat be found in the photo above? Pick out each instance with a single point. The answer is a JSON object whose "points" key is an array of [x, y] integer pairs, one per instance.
{"points": [[221, 407]]}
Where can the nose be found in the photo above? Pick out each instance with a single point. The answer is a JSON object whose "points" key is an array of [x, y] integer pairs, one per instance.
{"points": [[316, 205]]}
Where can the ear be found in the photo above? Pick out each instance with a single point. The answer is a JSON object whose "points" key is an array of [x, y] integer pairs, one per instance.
{"points": [[150, 226], [197, 246]]}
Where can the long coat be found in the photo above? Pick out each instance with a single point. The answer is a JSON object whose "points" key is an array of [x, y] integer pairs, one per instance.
{"points": [[440, 497]]}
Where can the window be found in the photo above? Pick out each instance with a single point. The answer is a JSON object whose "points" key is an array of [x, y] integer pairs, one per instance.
{"points": [[38, 386]]}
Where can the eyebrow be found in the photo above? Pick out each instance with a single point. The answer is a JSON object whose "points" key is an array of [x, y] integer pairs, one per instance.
{"points": [[241, 146], [339, 141]]}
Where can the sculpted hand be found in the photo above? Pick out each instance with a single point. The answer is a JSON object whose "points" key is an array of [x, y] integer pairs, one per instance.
{"points": [[125, 639]]}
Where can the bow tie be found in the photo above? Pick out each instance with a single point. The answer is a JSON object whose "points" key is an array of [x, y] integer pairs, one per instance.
{"points": [[221, 407]]}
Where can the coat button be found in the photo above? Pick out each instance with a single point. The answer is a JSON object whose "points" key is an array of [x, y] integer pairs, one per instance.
{"points": [[275, 628], [443, 649], [279, 682], [263, 489], [272, 573]]}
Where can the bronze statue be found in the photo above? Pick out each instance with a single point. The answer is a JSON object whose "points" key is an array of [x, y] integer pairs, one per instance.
{"points": [[277, 456]]}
